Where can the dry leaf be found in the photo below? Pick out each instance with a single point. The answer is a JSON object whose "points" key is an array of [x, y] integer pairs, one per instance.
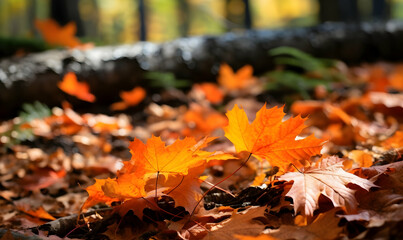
{"points": [[241, 223], [327, 178], [325, 226]]}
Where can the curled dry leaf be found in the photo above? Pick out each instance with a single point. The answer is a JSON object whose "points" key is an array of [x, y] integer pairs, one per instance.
{"points": [[327, 178], [270, 138]]}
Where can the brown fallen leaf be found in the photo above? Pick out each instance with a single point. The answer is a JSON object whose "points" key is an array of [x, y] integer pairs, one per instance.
{"points": [[325, 226], [328, 178], [241, 223]]}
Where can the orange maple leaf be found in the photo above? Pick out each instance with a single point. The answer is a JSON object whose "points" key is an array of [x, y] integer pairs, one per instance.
{"points": [[270, 138], [233, 81], [55, 34], [130, 98], [156, 168], [327, 178], [71, 86]]}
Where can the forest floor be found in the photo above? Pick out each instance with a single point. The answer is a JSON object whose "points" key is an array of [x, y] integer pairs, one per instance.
{"points": [[311, 150]]}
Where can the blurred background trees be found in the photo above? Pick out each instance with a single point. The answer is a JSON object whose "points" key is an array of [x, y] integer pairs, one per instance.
{"points": [[126, 21]]}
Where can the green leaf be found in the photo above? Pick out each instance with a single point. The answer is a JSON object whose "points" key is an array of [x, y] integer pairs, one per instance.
{"points": [[300, 59], [34, 111], [166, 80]]}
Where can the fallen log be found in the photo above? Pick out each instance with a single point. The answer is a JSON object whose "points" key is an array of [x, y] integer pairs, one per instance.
{"points": [[110, 69]]}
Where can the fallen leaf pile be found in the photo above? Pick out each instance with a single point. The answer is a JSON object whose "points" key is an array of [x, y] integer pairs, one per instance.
{"points": [[211, 163]]}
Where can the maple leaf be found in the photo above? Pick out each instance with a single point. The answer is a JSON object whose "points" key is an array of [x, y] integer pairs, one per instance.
{"points": [[130, 98], [327, 178], [176, 158], [185, 190], [71, 86], [233, 81], [55, 34], [157, 168], [270, 138]]}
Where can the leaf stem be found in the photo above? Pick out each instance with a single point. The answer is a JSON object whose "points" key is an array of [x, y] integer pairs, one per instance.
{"points": [[214, 186], [183, 177], [296, 167], [156, 184]]}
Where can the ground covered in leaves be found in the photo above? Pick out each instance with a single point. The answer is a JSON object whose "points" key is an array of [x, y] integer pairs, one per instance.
{"points": [[311, 150]]}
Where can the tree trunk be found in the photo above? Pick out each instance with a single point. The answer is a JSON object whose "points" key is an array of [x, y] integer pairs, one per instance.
{"points": [[110, 69]]}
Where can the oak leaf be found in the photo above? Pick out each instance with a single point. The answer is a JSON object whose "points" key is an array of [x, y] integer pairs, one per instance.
{"points": [[71, 86], [327, 178], [270, 138], [234, 81]]}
